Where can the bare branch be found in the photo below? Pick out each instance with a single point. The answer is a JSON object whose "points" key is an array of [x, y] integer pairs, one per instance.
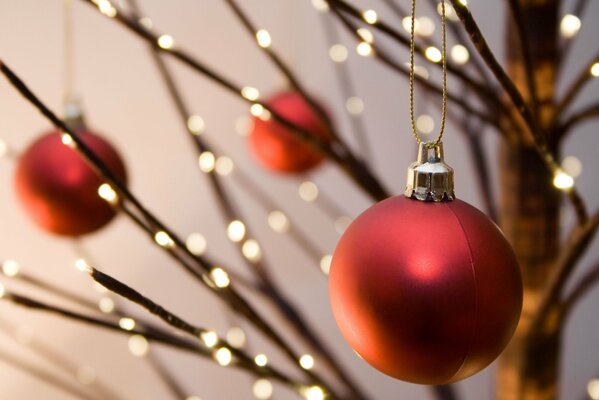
{"points": [[539, 139], [583, 78], [590, 112], [582, 288]]}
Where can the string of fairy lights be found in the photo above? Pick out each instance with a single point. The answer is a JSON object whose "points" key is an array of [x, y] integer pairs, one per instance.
{"points": [[308, 191]]}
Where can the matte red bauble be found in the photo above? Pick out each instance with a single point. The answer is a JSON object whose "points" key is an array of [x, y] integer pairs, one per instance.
{"points": [[59, 190], [275, 147], [425, 291]]}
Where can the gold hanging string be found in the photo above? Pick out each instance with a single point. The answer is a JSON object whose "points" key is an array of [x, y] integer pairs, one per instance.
{"points": [[444, 63]]}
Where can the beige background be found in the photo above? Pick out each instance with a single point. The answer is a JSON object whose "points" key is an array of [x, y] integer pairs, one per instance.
{"points": [[126, 100]]}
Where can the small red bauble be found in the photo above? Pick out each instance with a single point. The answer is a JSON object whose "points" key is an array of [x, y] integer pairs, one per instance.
{"points": [[275, 147], [59, 190], [425, 292]]}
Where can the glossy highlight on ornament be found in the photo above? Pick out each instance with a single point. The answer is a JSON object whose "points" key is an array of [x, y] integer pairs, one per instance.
{"points": [[57, 188], [275, 147], [426, 292]]}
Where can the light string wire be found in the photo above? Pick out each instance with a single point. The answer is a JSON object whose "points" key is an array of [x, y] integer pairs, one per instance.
{"points": [[412, 76]]}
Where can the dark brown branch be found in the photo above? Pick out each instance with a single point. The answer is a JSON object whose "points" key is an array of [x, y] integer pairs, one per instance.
{"points": [[151, 224], [518, 19], [590, 112], [582, 288], [382, 56], [578, 242], [523, 109], [352, 166], [479, 88], [46, 376], [583, 78]]}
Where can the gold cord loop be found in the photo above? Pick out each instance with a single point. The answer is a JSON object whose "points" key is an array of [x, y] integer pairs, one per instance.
{"points": [[444, 61]]}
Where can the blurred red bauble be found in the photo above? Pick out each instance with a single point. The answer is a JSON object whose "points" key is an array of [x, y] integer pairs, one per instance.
{"points": [[275, 147], [425, 292], [59, 190]]}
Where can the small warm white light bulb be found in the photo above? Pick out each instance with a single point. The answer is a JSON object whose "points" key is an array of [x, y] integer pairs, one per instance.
{"points": [[236, 337], [138, 345], [236, 231], [10, 268], [314, 393], [593, 389], [263, 38], [106, 8], [251, 250], [563, 181], [163, 239], [306, 361], [433, 54], [460, 54], [338, 53], [3, 148], [196, 244], [595, 70], [250, 93], [196, 124], [425, 124], [68, 141], [325, 264], [572, 166], [370, 17], [220, 277], [262, 389], [354, 105], [207, 161], [278, 221], [223, 356], [146, 22], [320, 5], [2, 291], [450, 13], [106, 192], [425, 26], [366, 35], [364, 49], [224, 165], [106, 305], [83, 266], [210, 338], [166, 42], [261, 360], [570, 26], [127, 323], [308, 191]]}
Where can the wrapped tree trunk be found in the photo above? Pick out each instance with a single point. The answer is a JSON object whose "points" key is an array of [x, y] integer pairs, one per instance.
{"points": [[530, 210]]}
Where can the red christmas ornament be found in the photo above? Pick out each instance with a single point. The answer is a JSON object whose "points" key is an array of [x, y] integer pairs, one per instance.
{"points": [[275, 147], [59, 190], [426, 292]]}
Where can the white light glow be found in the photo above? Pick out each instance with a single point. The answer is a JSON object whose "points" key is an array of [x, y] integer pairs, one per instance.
{"points": [[250, 93], [308, 191], [593, 389], [236, 231], [220, 277], [223, 356], [460, 54], [163, 239], [251, 250], [10, 268], [127, 323], [107, 193], [366, 35], [263, 38], [425, 124], [570, 26], [262, 389], [364, 49], [306, 361], [370, 17], [563, 181], [261, 360], [236, 337], [2, 291], [68, 141], [138, 345], [106, 305], [354, 105], [433, 54], [325, 264], [338, 53], [196, 124], [320, 5], [314, 393], [166, 42], [278, 221], [595, 70], [224, 165], [196, 243], [572, 166], [450, 13], [3, 148], [210, 338], [83, 266], [206, 161]]}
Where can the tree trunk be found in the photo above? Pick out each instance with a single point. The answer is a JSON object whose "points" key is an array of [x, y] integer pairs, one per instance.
{"points": [[528, 369]]}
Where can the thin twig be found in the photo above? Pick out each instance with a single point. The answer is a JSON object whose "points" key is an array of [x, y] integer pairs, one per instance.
{"points": [[583, 78], [591, 111], [45, 375], [582, 288], [540, 141], [382, 56], [518, 19]]}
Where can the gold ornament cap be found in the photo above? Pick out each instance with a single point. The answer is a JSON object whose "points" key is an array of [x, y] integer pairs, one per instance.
{"points": [[429, 178]]}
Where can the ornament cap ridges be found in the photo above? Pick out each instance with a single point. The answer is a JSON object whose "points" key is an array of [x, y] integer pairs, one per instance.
{"points": [[429, 177]]}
